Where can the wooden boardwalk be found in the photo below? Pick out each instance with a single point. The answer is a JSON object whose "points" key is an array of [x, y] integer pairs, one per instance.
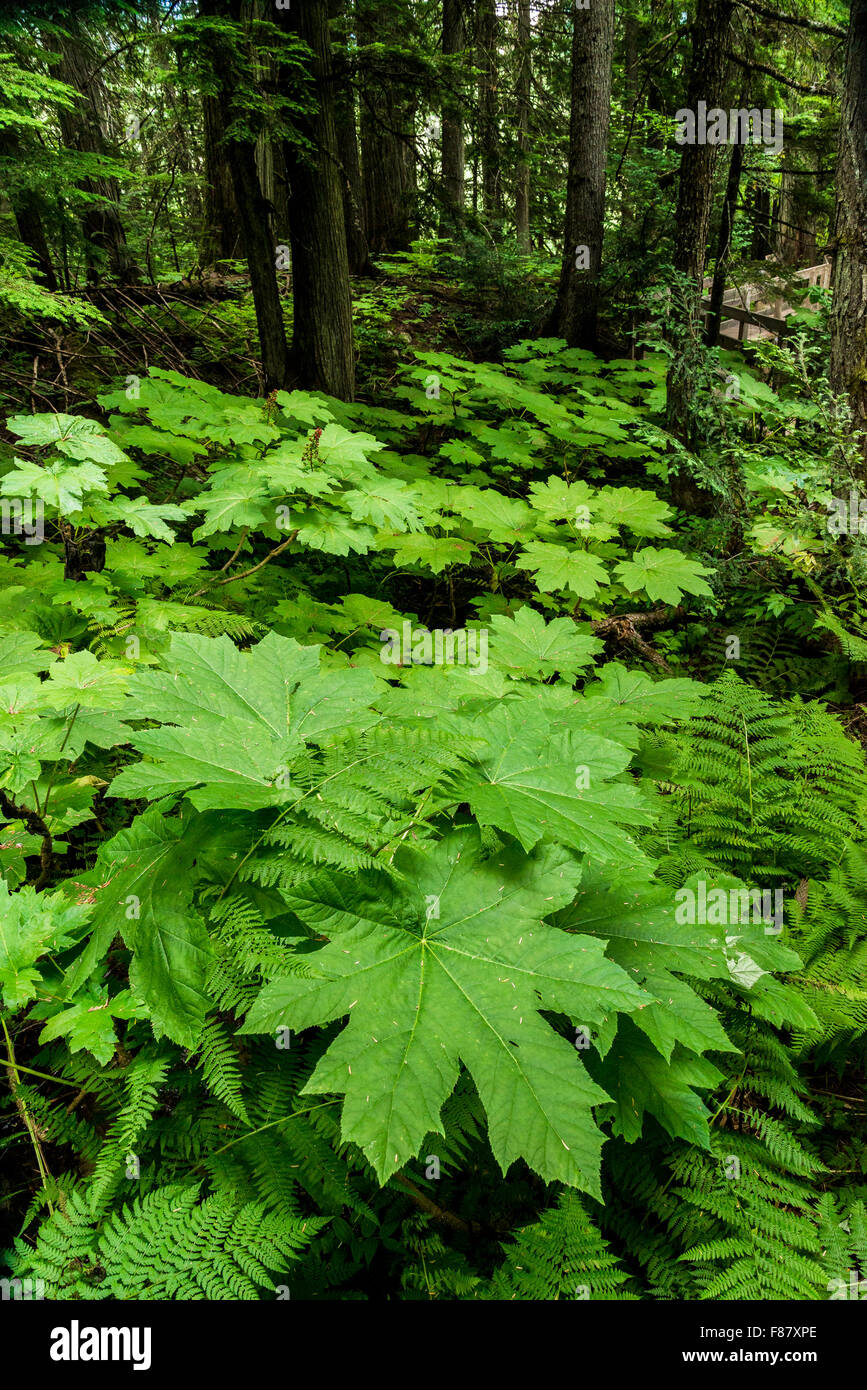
{"points": [[752, 314]]}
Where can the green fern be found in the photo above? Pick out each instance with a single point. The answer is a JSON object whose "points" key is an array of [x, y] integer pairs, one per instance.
{"points": [[166, 1244], [561, 1256]]}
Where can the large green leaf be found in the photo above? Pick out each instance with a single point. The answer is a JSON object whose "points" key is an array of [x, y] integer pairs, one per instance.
{"points": [[533, 781], [527, 645], [232, 721], [30, 924], [640, 1080], [452, 963], [664, 575], [142, 889], [558, 567]]}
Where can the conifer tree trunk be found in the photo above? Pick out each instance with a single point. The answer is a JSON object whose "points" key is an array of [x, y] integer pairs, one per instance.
{"points": [[522, 93], [221, 233], [26, 209], [724, 242], [253, 219], [707, 75], [578, 297], [386, 138], [85, 128], [454, 42], [322, 351], [357, 248], [849, 316], [489, 130]]}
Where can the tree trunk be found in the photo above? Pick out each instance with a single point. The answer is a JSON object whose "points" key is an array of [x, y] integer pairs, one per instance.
{"points": [[761, 243], [357, 248], [489, 130], [707, 79], [26, 209], [322, 344], [253, 220], [221, 234], [522, 92], [85, 128], [260, 255], [578, 296], [849, 316], [454, 43], [386, 134], [724, 242]]}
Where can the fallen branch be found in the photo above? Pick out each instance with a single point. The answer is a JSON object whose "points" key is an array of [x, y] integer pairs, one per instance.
{"points": [[623, 628]]}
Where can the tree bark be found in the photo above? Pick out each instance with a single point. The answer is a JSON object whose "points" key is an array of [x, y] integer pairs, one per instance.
{"points": [[724, 243], [253, 219], [454, 43], [386, 138], [357, 248], [522, 93], [85, 128], [322, 348], [489, 129], [849, 315], [578, 296], [26, 209], [221, 233], [707, 80]]}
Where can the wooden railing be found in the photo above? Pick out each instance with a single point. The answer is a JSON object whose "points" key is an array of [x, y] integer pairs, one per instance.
{"points": [[751, 314]]}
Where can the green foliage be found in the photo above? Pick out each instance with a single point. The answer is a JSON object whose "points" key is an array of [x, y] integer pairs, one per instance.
{"points": [[352, 947], [167, 1244]]}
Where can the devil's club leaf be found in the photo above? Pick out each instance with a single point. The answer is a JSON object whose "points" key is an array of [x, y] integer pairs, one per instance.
{"points": [[241, 719], [527, 645], [561, 567], [663, 574], [30, 924], [452, 963], [143, 889], [641, 1080], [533, 781]]}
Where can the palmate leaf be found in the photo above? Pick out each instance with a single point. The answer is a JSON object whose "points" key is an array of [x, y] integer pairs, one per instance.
{"points": [[30, 924], [527, 645], [142, 889], [73, 435], [386, 502], [560, 501], [640, 1080], [80, 679], [663, 574], [452, 963], [435, 553], [560, 567], [637, 508], [503, 518], [241, 719], [621, 698], [89, 1022], [60, 485], [23, 652], [226, 508], [331, 531], [143, 518], [533, 781]]}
